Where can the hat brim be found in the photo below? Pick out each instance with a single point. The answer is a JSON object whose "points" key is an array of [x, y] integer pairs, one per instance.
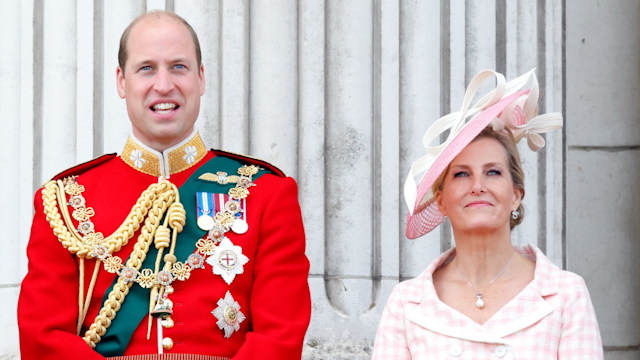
{"points": [[426, 215]]}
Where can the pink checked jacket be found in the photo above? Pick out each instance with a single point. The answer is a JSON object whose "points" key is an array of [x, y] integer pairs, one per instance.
{"points": [[551, 318]]}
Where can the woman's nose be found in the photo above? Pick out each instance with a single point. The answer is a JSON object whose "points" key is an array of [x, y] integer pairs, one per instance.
{"points": [[477, 187]]}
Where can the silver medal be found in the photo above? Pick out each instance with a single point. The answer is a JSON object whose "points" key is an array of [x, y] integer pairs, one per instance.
{"points": [[239, 226], [205, 222]]}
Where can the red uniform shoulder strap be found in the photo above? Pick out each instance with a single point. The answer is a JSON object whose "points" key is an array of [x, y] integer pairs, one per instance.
{"points": [[81, 168], [250, 160]]}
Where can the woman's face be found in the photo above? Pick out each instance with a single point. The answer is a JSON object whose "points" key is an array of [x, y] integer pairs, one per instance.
{"points": [[478, 194]]}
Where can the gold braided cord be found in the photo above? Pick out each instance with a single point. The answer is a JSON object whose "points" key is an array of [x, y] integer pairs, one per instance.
{"points": [[53, 197], [176, 218], [61, 197], [80, 294], [66, 232], [121, 288], [83, 311]]}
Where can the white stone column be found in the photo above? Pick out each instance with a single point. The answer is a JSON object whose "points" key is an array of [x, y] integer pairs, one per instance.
{"points": [[10, 144], [113, 126], [206, 18], [273, 98], [234, 77], [59, 96], [349, 171], [421, 31]]}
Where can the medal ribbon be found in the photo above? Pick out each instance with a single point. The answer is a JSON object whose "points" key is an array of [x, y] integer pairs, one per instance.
{"points": [[205, 204]]}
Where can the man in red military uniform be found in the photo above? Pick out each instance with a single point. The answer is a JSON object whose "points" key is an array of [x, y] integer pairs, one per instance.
{"points": [[168, 251]]}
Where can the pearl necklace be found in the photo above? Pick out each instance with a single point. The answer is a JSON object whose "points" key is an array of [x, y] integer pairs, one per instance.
{"points": [[479, 302]]}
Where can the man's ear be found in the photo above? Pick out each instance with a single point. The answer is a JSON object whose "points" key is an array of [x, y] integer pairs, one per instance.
{"points": [[120, 82], [202, 82]]}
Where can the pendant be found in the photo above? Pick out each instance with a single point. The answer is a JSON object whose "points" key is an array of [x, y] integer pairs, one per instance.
{"points": [[479, 301], [163, 309]]}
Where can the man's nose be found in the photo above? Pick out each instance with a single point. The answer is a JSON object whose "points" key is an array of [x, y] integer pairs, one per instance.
{"points": [[163, 83]]}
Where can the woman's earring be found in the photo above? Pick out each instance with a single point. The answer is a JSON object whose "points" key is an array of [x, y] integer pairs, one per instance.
{"points": [[515, 214]]}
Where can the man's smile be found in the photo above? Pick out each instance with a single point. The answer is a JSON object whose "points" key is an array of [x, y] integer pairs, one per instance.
{"points": [[164, 107]]}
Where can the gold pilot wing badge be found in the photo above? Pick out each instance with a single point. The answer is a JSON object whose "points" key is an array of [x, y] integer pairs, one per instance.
{"points": [[220, 177]]}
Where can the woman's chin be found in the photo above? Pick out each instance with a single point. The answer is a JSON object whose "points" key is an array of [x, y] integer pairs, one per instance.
{"points": [[480, 226]]}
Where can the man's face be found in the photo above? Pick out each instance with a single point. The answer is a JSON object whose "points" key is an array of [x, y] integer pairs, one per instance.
{"points": [[161, 82]]}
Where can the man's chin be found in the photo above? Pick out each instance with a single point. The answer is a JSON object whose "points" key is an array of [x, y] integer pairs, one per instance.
{"points": [[162, 140]]}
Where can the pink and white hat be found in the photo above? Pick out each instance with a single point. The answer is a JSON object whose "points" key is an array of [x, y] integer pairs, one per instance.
{"points": [[512, 105]]}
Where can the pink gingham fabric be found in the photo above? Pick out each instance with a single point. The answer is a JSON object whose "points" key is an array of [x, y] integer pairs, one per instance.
{"points": [[551, 318]]}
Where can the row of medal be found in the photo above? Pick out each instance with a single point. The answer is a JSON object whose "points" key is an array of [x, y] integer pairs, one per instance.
{"points": [[207, 203]]}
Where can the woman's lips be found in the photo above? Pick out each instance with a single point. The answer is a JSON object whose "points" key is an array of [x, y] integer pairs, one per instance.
{"points": [[478, 203]]}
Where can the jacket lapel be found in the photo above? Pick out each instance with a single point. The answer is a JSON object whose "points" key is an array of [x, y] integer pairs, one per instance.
{"points": [[526, 309]]}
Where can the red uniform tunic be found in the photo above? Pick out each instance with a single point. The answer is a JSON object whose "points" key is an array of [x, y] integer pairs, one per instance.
{"points": [[272, 292]]}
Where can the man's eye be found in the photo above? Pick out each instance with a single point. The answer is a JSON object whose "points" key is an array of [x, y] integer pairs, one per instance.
{"points": [[180, 67], [145, 68]]}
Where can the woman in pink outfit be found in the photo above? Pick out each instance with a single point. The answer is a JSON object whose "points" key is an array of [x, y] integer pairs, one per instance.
{"points": [[485, 299]]}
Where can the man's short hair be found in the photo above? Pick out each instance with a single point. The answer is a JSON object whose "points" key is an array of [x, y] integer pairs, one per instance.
{"points": [[123, 51]]}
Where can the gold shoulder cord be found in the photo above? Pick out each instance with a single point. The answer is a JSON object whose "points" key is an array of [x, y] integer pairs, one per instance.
{"points": [[154, 201]]}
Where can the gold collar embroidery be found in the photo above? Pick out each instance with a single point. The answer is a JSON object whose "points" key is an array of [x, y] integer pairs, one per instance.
{"points": [[162, 164]]}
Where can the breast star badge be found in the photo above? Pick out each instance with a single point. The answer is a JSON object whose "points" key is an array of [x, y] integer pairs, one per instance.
{"points": [[228, 314], [227, 260]]}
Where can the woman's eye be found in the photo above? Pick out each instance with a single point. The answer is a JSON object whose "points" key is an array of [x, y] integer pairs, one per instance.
{"points": [[494, 172], [460, 174]]}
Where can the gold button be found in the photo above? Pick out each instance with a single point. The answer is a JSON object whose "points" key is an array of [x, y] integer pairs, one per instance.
{"points": [[167, 343], [167, 323], [230, 315]]}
